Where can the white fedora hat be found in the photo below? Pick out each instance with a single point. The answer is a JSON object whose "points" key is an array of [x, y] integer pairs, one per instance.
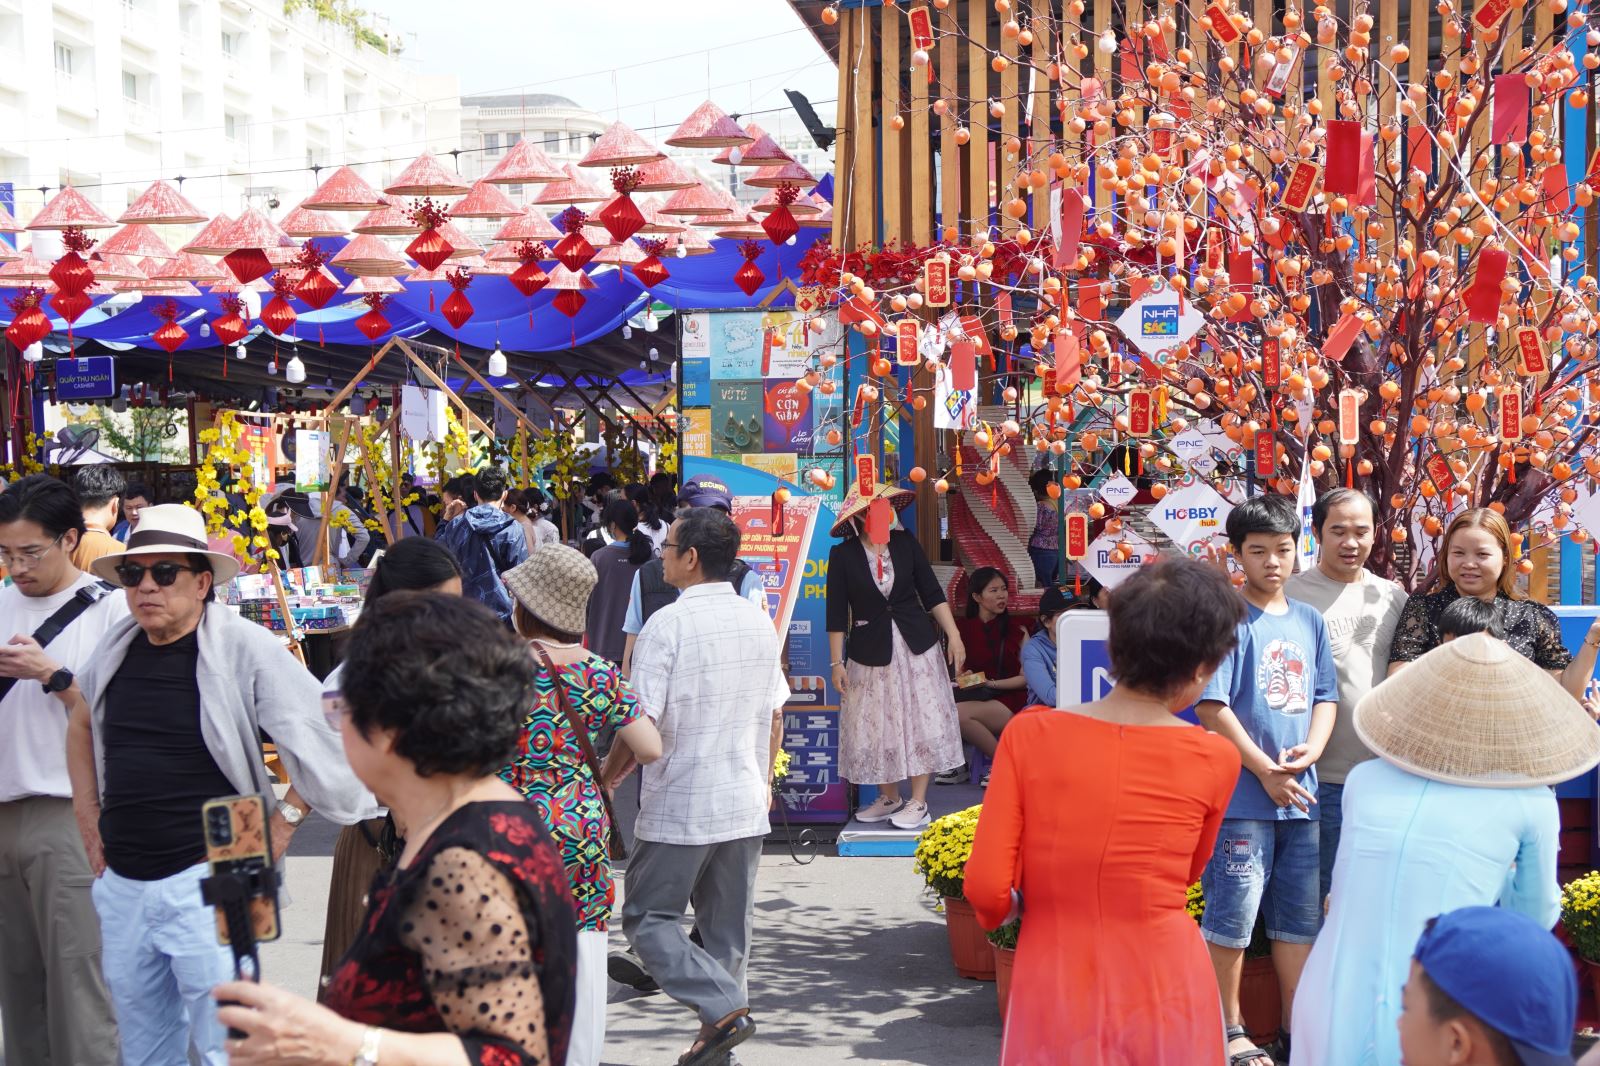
{"points": [[165, 529]]}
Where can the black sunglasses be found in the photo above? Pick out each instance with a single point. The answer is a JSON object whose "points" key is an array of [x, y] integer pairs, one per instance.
{"points": [[132, 574]]}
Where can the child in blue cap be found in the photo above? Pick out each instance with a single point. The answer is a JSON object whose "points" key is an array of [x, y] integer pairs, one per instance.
{"points": [[1488, 987]]}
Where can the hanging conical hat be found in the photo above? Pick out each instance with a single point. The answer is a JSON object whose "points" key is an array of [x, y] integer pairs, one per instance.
{"points": [[708, 126], [779, 176], [252, 230], [360, 286], [462, 245], [619, 146], [692, 241], [801, 206], [426, 176], [531, 225], [387, 221], [624, 254], [574, 188], [656, 223], [484, 201], [208, 240], [68, 210], [696, 201], [762, 151], [24, 270], [562, 278], [8, 224], [1475, 712], [189, 267], [664, 175], [524, 164], [344, 191], [139, 241], [304, 222], [162, 205], [369, 256]]}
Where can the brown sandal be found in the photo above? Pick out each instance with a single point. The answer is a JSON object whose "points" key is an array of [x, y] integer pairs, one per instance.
{"points": [[726, 1035]]}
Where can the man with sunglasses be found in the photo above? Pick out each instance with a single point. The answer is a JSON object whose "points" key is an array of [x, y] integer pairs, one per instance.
{"points": [[167, 716], [53, 1001]]}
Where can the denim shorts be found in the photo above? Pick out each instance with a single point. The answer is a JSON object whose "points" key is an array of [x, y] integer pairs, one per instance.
{"points": [[1265, 866]]}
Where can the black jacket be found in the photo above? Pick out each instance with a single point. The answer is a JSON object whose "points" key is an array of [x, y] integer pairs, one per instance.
{"points": [[857, 609]]}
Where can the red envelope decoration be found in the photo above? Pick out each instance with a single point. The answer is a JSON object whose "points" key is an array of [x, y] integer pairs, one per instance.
{"points": [[1072, 209], [1069, 361], [1341, 173], [1510, 109], [963, 365], [1483, 297], [1419, 148], [1340, 337], [1366, 172], [1557, 197]]}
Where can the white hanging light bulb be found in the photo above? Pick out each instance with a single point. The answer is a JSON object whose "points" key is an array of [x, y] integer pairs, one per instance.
{"points": [[241, 352], [627, 332], [34, 352], [295, 371], [650, 323], [655, 353], [736, 155], [683, 250], [497, 362]]}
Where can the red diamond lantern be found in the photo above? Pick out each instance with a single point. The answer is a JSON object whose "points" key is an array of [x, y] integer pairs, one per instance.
{"points": [[72, 274], [570, 301], [171, 336], [229, 329], [529, 278], [70, 305], [780, 225], [247, 264], [373, 324], [457, 309], [749, 278], [430, 249], [29, 327], [650, 271], [621, 217], [573, 251], [278, 316], [316, 288]]}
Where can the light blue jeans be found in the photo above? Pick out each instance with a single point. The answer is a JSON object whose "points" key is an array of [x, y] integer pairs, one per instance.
{"points": [[161, 959]]}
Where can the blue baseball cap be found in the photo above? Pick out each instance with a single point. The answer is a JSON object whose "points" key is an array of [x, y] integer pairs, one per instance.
{"points": [[705, 491], [1511, 973]]}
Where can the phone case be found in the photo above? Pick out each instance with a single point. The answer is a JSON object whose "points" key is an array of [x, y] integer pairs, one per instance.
{"points": [[248, 848]]}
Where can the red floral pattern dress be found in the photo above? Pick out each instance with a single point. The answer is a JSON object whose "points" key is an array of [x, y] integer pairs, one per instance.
{"points": [[550, 770], [476, 937]]}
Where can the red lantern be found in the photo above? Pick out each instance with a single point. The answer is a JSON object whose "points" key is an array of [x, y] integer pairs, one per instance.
{"points": [[573, 251], [247, 264], [780, 225], [278, 316], [373, 324], [529, 278], [72, 274], [229, 329], [316, 288], [749, 278], [28, 328], [650, 271], [621, 217], [457, 309], [570, 301], [171, 336], [70, 306], [430, 249]]}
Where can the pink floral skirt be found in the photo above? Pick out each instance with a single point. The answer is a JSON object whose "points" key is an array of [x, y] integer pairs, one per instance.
{"points": [[898, 721]]}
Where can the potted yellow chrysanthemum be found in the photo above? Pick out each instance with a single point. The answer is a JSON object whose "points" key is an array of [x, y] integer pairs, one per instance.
{"points": [[1580, 922], [942, 853]]}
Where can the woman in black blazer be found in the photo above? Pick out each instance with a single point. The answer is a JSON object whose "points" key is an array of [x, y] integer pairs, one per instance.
{"points": [[897, 718]]}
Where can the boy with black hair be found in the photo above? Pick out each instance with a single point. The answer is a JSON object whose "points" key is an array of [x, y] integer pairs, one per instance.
{"points": [[484, 539], [1274, 697], [135, 498], [1470, 615], [99, 490]]}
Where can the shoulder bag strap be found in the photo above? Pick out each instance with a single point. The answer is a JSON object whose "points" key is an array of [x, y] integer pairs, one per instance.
{"points": [[57, 623], [615, 848]]}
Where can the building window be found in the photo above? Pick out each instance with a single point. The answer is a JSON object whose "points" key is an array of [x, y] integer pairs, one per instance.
{"points": [[230, 126], [63, 59], [552, 140], [230, 44], [130, 85], [491, 145], [574, 143]]}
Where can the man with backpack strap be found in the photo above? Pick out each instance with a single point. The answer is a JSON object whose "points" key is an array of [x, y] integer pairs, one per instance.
{"points": [[486, 543]]}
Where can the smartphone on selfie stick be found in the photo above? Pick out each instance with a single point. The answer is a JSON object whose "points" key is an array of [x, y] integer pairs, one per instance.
{"points": [[243, 886]]}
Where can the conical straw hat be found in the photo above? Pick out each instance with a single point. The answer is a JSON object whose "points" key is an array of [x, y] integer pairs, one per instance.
{"points": [[1475, 712]]}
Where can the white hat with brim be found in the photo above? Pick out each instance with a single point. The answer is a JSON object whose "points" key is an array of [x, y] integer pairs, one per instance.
{"points": [[168, 529], [1475, 712]]}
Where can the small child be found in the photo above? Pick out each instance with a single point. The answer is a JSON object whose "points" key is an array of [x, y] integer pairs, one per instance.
{"points": [[1470, 615]]}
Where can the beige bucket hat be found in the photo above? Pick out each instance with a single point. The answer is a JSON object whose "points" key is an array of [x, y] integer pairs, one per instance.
{"points": [[1475, 712], [554, 584]]}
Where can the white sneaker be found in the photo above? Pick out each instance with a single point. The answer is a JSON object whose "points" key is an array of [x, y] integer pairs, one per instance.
{"points": [[879, 810], [912, 816]]}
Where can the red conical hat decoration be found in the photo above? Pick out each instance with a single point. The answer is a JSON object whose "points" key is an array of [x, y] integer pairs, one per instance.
{"points": [[253, 230], [7, 254], [303, 222], [344, 191], [390, 220], [524, 164], [693, 243], [708, 127], [823, 219], [802, 205], [619, 146], [625, 253], [285, 254], [369, 256], [485, 201], [162, 205], [694, 202], [482, 265], [69, 210], [23, 271], [597, 235], [8, 224], [139, 241], [463, 245], [361, 286], [574, 188], [531, 225], [207, 241], [654, 221], [763, 151], [115, 267], [570, 280], [511, 252], [472, 263], [664, 175], [745, 230], [779, 176], [426, 176]]}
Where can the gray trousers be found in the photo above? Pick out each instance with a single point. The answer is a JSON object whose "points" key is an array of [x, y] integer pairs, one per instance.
{"points": [[53, 1000], [719, 880]]}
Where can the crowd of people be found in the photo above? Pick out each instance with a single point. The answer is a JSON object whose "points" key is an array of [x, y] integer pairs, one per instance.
{"points": [[1368, 794]]}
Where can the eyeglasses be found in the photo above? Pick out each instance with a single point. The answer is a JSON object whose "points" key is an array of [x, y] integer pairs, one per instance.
{"points": [[28, 558], [334, 711], [132, 574]]}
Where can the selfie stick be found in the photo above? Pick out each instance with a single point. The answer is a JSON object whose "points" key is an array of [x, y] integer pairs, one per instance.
{"points": [[231, 893]]}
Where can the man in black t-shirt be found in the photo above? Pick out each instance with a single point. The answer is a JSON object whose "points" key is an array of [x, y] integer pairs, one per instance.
{"points": [[165, 718]]}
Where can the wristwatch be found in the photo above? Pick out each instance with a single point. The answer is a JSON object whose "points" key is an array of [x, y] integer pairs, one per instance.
{"points": [[291, 814], [368, 1055], [59, 681]]}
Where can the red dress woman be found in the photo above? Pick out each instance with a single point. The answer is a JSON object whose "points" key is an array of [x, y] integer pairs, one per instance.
{"points": [[993, 641]]}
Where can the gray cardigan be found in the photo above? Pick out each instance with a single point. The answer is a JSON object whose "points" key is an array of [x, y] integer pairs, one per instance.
{"points": [[247, 679]]}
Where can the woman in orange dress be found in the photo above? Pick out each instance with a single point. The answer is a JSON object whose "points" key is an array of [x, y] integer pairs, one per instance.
{"points": [[1096, 821]]}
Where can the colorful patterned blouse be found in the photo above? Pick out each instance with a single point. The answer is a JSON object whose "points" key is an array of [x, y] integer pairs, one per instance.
{"points": [[549, 769]]}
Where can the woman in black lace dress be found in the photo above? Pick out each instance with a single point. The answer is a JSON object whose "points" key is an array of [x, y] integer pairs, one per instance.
{"points": [[1475, 560], [469, 946]]}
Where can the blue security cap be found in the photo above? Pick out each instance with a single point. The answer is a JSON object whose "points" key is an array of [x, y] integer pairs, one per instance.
{"points": [[706, 491], [1511, 973]]}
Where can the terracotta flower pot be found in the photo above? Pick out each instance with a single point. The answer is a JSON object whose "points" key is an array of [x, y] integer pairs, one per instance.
{"points": [[1260, 1001], [970, 950], [1004, 960]]}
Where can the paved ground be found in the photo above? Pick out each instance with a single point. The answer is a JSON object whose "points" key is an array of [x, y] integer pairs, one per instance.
{"points": [[849, 965]]}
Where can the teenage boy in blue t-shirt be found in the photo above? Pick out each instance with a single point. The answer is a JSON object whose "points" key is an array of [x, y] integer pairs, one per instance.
{"points": [[1275, 697]]}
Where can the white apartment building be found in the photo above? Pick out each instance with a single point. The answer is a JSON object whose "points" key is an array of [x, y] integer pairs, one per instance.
{"points": [[241, 98]]}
